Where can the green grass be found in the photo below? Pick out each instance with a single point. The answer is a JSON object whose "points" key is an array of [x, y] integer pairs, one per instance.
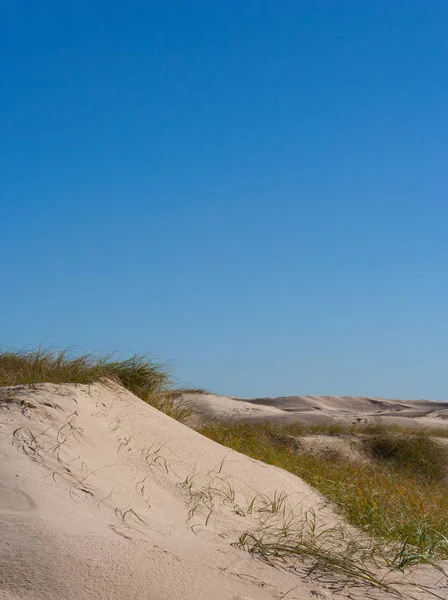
{"points": [[139, 374], [401, 494]]}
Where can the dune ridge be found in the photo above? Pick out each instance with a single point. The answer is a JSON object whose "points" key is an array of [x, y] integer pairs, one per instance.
{"points": [[343, 410]]}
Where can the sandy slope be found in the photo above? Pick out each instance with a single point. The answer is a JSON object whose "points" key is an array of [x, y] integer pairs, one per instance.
{"points": [[104, 497], [346, 410]]}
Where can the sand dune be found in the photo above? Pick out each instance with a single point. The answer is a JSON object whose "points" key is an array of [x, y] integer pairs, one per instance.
{"points": [[344, 410], [104, 497]]}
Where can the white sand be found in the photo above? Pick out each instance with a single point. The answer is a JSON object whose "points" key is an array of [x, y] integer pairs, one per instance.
{"points": [[104, 497]]}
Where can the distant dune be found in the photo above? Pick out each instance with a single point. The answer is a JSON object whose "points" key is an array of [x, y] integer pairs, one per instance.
{"points": [[313, 410]]}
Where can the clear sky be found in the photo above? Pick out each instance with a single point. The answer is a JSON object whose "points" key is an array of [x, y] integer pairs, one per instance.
{"points": [[253, 191]]}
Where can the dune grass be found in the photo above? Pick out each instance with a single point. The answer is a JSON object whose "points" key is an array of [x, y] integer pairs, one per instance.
{"points": [[416, 454], [139, 374], [400, 495], [338, 429]]}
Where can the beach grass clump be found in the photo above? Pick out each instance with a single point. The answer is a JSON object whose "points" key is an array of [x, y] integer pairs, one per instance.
{"points": [[397, 495], [140, 374], [419, 453]]}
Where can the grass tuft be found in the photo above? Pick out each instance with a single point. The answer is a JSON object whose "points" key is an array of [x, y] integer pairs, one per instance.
{"points": [[418, 454], [139, 374]]}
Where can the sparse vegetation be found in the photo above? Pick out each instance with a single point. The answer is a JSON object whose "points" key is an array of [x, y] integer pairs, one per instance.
{"points": [[281, 535], [139, 373], [400, 495]]}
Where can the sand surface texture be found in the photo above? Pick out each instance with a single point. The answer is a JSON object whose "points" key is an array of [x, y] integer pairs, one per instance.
{"points": [[104, 497]]}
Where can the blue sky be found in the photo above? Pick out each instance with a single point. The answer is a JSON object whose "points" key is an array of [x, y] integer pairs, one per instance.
{"points": [[254, 192]]}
